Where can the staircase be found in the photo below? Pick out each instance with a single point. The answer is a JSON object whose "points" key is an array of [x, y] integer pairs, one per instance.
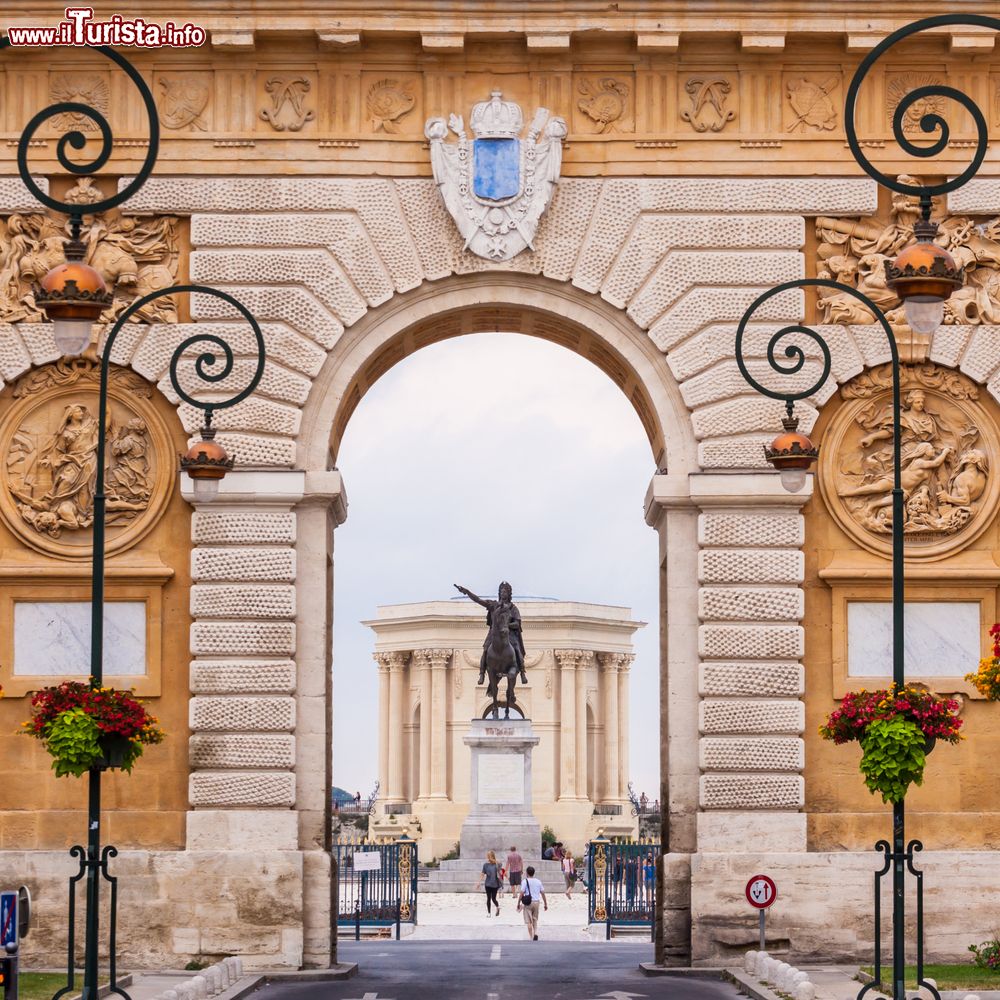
{"points": [[461, 875]]}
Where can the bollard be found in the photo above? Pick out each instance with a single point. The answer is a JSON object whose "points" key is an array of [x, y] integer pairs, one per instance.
{"points": [[357, 922], [10, 964], [398, 919]]}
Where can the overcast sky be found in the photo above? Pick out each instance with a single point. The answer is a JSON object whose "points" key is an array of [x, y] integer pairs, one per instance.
{"points": [[485, 458]]}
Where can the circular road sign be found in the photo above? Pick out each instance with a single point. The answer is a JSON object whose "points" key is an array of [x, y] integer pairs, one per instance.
{"points": [[761, 892]]}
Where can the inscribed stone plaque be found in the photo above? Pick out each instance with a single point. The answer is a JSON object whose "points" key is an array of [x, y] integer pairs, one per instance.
{"points": [[501, 779], [941, 638], [52, 638]]}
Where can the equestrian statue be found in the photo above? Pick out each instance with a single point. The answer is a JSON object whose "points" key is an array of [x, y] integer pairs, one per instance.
{"points": [[503, 648]]}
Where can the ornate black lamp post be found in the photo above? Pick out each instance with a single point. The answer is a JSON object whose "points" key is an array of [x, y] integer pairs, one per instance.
{"points": [[922, 276], [73, 295]]}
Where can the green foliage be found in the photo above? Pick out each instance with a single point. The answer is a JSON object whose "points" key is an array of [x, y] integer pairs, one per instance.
{"points": [[453, 853], [548, 835], [194, 966], [893, 757], [72, 738]]}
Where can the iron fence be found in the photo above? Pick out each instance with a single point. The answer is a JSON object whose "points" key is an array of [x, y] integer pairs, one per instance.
{"points": [[621, 882], [376, 882]]}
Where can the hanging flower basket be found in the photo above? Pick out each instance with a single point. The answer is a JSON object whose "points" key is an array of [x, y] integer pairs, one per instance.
{"points": [[986, 680], [84, 727], [897, 729]]}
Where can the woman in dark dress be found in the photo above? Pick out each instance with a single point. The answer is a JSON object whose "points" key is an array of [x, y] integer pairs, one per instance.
{"points": [[491, 872]]}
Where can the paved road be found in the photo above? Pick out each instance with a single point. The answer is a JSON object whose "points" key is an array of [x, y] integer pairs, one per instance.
{"points": [[514, 970]]}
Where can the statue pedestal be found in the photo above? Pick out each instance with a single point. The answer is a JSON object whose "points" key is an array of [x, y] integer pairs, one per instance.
{"points": [[500, 801]]}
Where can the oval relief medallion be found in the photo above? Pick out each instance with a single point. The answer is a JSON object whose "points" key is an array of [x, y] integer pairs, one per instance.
{"points": [[48, 476], [949, 457]]}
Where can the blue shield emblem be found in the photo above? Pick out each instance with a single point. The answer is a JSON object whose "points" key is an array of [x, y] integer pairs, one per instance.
{"points": [[496, 168]]}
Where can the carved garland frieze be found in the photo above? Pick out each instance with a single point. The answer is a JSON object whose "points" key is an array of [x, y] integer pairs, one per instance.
{"points": [[854, 251], [949, 458], [134, 255], [48, 439]]}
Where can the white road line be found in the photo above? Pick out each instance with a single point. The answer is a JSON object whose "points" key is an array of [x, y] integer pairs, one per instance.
{"points": [[495, 956]]}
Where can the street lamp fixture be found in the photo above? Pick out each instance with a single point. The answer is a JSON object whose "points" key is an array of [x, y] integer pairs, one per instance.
{"points": [[73, 295], [923, 276], [791, 453], [206, 462]]}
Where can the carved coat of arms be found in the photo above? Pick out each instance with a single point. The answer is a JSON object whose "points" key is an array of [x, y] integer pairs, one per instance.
{"points": [[497, 187]]}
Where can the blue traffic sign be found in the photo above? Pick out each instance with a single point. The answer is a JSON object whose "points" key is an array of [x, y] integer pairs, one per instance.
{"points": [[8, 919]]}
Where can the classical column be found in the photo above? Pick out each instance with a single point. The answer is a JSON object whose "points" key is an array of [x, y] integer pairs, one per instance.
{"points": [[382, 659], [609, 684], [397, 749], [624, 669], [567, 659], [428, 719], [582, 676], [439, 735]]}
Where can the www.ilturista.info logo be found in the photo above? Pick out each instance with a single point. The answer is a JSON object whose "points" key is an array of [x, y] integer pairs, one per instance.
{"points": [[80, 28]]}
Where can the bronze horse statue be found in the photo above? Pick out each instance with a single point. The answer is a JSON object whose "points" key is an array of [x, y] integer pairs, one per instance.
{"points": [[501, 661]]}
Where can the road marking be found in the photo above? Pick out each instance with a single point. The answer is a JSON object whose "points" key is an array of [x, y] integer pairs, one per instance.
{"points": [[495, 955], [492, 996], [371, 996]]}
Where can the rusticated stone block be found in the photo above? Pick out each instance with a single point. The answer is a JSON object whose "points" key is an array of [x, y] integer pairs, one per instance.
{"points": [[751, 679], [243, 564], [750, 604], [243, 638], [751, 642], [242, 751], [750, 566], [744, 716], [242, 714], [751, 791], [276, 601], [242, 676], [764, 531], [752, 754], [234, 528], [256, 788]]}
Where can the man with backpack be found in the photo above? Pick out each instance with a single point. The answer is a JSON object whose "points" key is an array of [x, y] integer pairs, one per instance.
{"points": [[532, 892]]}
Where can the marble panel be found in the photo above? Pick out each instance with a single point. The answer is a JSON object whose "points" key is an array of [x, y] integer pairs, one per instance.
{"points": [[941, 638], [501, 779], [52, 638]]}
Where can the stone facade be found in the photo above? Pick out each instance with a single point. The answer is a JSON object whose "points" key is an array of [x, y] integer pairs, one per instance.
{"points": [[578, 658], [689, 185]]}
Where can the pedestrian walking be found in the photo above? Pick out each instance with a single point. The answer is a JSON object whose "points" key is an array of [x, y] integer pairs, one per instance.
{"points": [[532, 893], [515, 867], [491, 872], [649, 877], [569, 872]]}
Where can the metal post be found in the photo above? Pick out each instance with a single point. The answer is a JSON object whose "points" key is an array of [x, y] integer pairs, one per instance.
{"points": [[399, 910], [10, 983], [763, 936], [357, 921]]}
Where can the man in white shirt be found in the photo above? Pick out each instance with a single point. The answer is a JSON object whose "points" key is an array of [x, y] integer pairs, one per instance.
{"points": [[532, 893]]}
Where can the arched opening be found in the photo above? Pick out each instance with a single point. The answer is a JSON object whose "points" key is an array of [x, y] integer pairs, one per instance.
{"points": [[369, 357]]}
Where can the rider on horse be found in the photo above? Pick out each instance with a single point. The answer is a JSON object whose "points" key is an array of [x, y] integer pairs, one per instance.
{"points": [[504, 595]]}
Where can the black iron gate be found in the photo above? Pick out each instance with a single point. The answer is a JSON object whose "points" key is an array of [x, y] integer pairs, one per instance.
{"points": [[376, 882], [621, 882]]}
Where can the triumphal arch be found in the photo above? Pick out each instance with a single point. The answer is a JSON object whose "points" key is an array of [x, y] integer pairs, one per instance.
{"points": [[654, 168]]}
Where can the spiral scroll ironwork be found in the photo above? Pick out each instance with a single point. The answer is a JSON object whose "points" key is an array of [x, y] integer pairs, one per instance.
{"points": [[795, 352], [77, 140], [205, 364], [930, 123]]}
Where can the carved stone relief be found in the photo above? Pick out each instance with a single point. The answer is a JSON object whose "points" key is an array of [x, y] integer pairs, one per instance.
{"points": [[854, 251], [811, 104], [134, 255], [288, 111], [710, 97], [79, 88], [897, 87], [949, 451], [48, 440], [604, 102], [387, 102], [182, 101]]}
